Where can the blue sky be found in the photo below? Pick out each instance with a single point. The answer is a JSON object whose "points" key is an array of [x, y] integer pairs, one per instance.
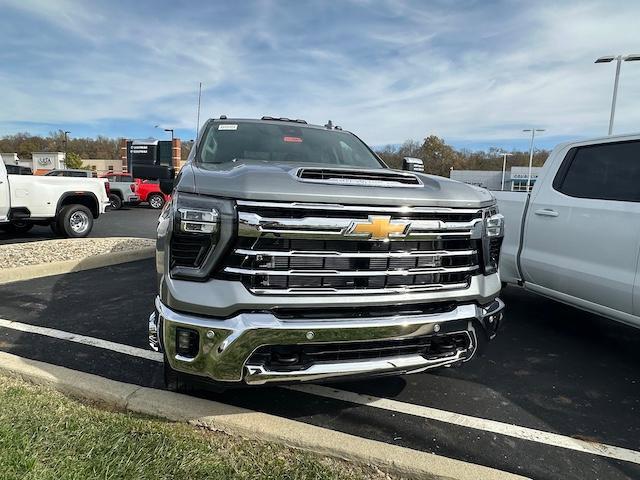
{"points": [[473, 72]]}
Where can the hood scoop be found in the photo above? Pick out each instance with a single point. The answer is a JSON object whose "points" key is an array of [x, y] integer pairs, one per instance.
{"points": [[368, 178]]}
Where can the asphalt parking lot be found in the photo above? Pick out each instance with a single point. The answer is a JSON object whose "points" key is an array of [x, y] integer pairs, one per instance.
{"points": [[553, 369], [565, 374], [138, 221]]}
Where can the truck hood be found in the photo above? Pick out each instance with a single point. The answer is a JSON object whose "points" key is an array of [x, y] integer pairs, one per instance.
{"points": [[262, 180]]}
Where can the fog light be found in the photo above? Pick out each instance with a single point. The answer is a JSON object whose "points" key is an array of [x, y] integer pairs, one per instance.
{"points": [[186, 342]]}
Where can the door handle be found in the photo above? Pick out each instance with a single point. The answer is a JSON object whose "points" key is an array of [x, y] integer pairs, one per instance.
{"points": [[546, 212]]}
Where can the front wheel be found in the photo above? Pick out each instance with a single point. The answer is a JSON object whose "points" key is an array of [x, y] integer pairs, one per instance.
{"points": [[156, 201], [20, 226], [75, 221]]}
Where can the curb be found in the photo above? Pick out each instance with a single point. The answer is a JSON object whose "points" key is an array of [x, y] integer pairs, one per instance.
{"points": [[29, 272], [397, 460]]}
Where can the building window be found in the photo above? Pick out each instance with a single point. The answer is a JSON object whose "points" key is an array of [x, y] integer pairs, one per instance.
{"points": [[521, 186], [110, 168], [93, 167]]}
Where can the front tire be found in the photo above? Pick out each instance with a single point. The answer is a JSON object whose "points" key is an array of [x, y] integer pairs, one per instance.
{"points": [[75, 221], [156, 201], [115, 201], [19, 226]]}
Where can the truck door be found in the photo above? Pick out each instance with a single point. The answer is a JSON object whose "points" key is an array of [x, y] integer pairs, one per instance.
{"points": [[5, 201], [583, 227]]}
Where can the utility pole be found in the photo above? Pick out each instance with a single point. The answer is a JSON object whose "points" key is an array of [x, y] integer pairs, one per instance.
{"points": [[533, 136], [618, 59], [66, 133], [504, 166]]}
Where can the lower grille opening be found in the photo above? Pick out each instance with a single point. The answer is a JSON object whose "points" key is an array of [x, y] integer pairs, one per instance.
{"points": [[377, 311], [300, 357]]}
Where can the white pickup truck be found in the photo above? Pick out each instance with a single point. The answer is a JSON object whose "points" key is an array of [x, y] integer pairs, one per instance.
{"points": [[69, 205], [576, 237]]}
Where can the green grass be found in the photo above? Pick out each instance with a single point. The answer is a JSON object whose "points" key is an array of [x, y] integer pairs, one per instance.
{"points": [[45, 435]]}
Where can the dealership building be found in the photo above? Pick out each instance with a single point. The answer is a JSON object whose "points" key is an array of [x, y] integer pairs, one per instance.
{"points": [[146, 151], [515, 179]]}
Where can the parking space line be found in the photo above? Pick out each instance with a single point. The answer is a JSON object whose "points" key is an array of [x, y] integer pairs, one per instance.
{"points": [[476, 423], [91, 341]]}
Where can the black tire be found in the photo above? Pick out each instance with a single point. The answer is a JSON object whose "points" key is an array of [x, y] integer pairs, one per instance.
{"points": [[75, 221], [176, 381], [115, 201], [156, 201], [20, 226], [55, 228]]}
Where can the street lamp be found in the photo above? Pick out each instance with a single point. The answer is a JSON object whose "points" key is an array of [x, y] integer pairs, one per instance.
{"points": [[504, 165], [167, 130], [533, 136], [618, 59], [66, 133]]}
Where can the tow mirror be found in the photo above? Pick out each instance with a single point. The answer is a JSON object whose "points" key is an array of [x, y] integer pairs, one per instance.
{"points": [[413, 164]]}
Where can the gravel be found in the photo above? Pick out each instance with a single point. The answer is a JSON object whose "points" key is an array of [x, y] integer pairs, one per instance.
{"points": [[48, 251]]}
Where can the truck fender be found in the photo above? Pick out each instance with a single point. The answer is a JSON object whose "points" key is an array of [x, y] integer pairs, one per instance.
{"points": [[88, 199]]}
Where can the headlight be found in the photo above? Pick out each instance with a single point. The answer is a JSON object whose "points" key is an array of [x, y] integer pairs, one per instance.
{"points": [[492, 239], [202, 228]]}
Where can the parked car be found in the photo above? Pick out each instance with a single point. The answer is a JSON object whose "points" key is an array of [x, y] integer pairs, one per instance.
{"points": [[576, 237], [18, 170], [149, 191], [123, 190], [68, 205], [71, 172], [291, 252]]}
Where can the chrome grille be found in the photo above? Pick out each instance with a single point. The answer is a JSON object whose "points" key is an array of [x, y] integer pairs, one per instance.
{"points": [[301, 248]]}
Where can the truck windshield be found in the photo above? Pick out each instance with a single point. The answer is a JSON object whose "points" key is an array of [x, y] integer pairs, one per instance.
{"points": [[239, 141]]}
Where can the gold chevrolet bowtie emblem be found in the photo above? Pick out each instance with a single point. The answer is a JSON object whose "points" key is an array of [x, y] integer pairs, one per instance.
{"points": [[379, 228]]}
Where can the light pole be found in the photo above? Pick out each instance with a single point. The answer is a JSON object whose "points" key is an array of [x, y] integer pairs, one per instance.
{"points": [[504, 165], [66, 133], [533, 136], [618, 59], [167, 130]]}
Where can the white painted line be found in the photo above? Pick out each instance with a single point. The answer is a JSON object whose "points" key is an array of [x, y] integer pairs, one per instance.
{"points": [[430, 413], [74, 337], [486, 425]]}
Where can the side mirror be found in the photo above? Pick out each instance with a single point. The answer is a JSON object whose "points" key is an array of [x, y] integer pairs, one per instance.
{"points": [[412, 164]]}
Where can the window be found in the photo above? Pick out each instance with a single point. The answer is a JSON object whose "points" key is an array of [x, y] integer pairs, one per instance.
{"points": [[243, 141], [609, 171], [110, 168]]}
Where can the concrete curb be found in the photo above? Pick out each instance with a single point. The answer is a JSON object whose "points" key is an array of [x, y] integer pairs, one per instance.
{"points": [[28, 272], [397, 460]]}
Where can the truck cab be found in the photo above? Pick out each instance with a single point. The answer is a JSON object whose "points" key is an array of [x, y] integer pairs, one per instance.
{"points": [[576, 237]]}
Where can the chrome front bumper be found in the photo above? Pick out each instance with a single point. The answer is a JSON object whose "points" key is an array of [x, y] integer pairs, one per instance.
{"points": [[226, 345]]}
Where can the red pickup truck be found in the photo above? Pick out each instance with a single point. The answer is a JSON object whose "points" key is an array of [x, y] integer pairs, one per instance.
{"points": [[149, 191]]}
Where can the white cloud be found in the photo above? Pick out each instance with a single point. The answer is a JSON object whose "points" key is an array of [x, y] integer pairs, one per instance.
{"points": [[389, 71]]}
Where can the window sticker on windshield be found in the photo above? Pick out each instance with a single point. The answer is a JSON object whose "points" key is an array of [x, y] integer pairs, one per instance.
{"points": [[292, 139], [227, 126]]}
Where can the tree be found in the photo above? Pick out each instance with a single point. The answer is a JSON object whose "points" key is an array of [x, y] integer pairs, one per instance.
{"points": [[74, 161], [438, 157]]}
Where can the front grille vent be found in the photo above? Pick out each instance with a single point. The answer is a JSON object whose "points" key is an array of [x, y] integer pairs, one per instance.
{"points": [[315, 254], [373, 178]]}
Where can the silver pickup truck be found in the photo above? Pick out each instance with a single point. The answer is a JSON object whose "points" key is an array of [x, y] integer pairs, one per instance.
{"points": [[290, 252], [576, 237]]}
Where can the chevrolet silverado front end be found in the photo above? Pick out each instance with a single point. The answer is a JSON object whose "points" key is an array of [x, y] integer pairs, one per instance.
{"points": [[289, 252]]}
